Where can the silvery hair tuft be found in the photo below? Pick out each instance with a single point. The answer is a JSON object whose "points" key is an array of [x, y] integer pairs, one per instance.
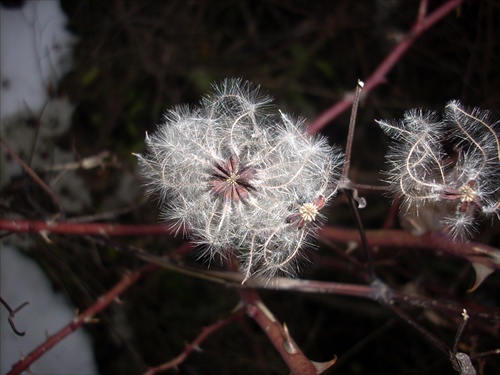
{"points": [[241, 178], [451, 161]]}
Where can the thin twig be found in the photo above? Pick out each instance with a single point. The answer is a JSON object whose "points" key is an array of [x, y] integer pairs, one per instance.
{"points": [[350, 134], [460, 331], [485, 354], [362, 233], [195, 344], [425, 333], [12, 314], [35, 177]]}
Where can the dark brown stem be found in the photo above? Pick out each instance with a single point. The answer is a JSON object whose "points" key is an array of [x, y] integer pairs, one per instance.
{"points": [[362, 233], [425, 333], [350, 135]]}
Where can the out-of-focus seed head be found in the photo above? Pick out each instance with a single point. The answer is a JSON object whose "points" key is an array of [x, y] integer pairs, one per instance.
{"points": [[464, 182]]}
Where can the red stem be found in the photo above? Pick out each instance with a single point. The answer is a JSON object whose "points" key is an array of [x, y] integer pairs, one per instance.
{"points": [[297, 362], [473, 252], [103, 229], [86, 317], [379, 75]]}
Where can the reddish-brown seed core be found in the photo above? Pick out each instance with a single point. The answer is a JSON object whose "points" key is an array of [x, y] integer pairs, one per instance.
{"points": [[231, 180]]}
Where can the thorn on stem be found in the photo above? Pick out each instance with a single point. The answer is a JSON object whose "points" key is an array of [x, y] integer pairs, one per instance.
{"points": [[289, 344]]}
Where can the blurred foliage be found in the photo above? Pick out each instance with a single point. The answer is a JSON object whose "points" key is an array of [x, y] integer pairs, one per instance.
{"points": [[135, 59]]}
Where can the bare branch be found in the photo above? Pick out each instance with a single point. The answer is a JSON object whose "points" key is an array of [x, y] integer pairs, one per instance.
{"points": [[35, 177], [12, 314], [379, 75], [195, 344]]}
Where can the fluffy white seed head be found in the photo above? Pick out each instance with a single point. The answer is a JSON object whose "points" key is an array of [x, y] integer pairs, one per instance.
{"points": [[241, 179], [451, 161]]}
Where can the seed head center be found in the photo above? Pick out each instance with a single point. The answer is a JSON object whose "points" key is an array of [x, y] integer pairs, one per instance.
{"points": [[232, 180]]}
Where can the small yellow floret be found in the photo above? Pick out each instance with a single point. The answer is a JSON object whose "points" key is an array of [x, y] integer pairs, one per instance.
{"points": [[308, 212]]}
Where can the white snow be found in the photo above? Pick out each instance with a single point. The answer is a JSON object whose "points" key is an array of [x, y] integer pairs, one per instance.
{"points": [[47, 312], [35, 53]]}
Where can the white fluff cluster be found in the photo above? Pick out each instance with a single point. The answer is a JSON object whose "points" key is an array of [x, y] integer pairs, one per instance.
{"points": [[451, 161], [240, 179]]}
